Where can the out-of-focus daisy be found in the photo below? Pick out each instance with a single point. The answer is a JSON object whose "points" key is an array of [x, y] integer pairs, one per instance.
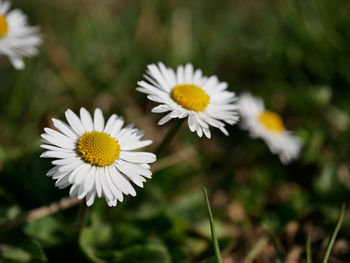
{"points": [[97, 159], [268, 125], [17, 38], [187, 93]]}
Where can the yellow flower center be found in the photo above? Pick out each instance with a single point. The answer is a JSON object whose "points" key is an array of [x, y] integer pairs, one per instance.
{"points": [[190, 97], [98, 148], [271, 121], [4, 26]]}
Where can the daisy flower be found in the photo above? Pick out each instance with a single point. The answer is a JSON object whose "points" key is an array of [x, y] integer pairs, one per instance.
{"points": [[17, 39], [268, 126], [95, 158], [187, 93]]}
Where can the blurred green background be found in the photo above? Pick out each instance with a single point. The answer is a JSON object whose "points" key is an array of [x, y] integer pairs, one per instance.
{"points": [[294, 54]]}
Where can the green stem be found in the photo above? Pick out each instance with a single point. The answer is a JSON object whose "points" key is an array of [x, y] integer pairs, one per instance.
{"points": [[212, 228], [171, 133], [334, 235], [83, 212], [308, 250]]}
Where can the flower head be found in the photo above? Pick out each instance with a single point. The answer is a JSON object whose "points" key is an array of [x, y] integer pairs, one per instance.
{"points": [[268, 125], [96, 158], [187, 93], [17, 39]]}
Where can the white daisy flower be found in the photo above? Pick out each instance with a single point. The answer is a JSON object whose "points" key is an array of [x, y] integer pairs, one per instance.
{"points": [[17, 39], [268, 125], [97, 159], [187, 93]]}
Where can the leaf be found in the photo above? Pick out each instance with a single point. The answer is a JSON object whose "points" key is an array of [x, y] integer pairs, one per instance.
{"points": [[145, 254], [48, 230], [28, 251]]}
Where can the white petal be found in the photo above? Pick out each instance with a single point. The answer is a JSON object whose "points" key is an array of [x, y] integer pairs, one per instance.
{"points": [[90, 179], [135, 145], [64, 128], [74, 122], [81, 192], [180, 74], [137, 168], [138, 157], [114, 188], [191, 122], [165, 119], [117, 126], [86, 120], [98, 183], [161, 108], [106, 190], [57, 154], [60, 141], [84, 170], [73, 192], [110, 123], [90, 198], [52, 171], [207, 132], [98, 120], [188, 73], [122, 183]]}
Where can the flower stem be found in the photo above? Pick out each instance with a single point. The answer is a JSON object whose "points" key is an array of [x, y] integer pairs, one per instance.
{"points": [[83, 212], [334, 235], [212, 228], [171, 133]]}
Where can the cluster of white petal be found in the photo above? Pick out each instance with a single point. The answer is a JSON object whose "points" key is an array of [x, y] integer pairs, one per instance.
{"points": [[92, 181], [286, 145], [21, 39], [162, 80]]}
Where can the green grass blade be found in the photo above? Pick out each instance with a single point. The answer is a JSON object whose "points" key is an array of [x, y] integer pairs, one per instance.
{"points": [[334, 235], [256, 249], [308, 250], [212, 228]]}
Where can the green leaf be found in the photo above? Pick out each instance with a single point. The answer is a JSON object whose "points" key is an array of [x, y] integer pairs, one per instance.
{"points": [[48, 230], [145, 254], [15, 254], [334, 235], [29, 251], [87, 240]]}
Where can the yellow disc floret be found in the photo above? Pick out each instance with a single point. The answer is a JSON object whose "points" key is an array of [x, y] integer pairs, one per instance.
{"points": [[271, 121], [190, 97], [98, 148], [4, 26]]}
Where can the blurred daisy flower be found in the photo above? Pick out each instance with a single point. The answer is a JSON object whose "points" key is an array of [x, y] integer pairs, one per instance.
{"points": [[187, 93], [265, 124], [17, 39], [96, 159]]}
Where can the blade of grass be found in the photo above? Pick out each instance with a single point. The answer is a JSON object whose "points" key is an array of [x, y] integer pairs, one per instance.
{"points": [[334, 235], [308, 250], [212, 228], [256, 249]]}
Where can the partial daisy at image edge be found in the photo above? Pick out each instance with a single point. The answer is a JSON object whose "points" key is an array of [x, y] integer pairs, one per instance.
{"points": [[268, 125], [96, 158], [187, 93], [17, 39]]}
